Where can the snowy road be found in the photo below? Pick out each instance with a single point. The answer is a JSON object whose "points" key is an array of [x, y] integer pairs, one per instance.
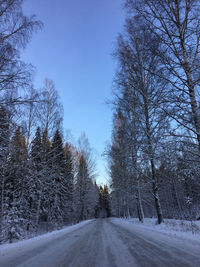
{"points": [[103, 243]]}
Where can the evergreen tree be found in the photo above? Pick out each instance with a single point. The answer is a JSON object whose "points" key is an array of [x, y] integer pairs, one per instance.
{"points": [[36, 184], [68, 185], [92, 198], [104, 202], [16, 187], [46, 147], [82, 187], [57, 179], [4, 153], [46, 172]]}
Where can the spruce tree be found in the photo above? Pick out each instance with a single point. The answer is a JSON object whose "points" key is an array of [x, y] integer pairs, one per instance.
{"points": [[57, 178], [68, 185], [106, 200], [36, 178], [82, 188], [4, 152], [46, 172], [16, 187]]}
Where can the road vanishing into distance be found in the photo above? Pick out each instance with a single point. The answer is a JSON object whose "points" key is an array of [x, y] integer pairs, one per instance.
{"points": [[105, 243]]}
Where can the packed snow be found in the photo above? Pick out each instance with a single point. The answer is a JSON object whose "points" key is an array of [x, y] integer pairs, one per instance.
{"points": [[179, 228], [17, 247], [103, 243]]}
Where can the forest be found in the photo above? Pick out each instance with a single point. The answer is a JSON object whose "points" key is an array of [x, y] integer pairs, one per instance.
{"points": [[153, 158], [45, 182], [154, 155]]}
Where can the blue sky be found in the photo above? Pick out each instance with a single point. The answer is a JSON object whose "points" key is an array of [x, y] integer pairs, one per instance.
{"points": [[74, 50]]}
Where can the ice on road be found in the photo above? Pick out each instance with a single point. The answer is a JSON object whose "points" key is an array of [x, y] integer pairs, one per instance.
{"points": [[104, 243]]}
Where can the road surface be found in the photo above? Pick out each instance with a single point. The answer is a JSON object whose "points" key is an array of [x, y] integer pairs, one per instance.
{"points": [[107, 243]]}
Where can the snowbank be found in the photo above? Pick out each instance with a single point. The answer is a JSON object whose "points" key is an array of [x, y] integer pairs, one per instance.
{"points": [[180, 228], [32, 243]]}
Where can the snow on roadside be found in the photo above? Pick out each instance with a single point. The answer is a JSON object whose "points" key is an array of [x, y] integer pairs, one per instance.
{"points": [[38, 240], [179, 228]]}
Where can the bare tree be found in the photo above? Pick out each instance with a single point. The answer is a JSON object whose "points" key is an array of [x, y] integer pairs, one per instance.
{"points": [[149, 122], [50, 110], [15, 32], [85, 198], [176, 24], [85, 149]]}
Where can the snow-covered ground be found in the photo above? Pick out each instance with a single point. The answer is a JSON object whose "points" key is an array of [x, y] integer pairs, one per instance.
{"points": [[104, 243], [180, 228], [25, 245]]}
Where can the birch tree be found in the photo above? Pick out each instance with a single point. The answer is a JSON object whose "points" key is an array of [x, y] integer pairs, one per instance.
{"points": [[138, 63], [15, 32], [176, 25], [50, 110]]}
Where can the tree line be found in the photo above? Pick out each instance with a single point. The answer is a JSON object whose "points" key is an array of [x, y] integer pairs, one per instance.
{"points": [[154, 155], [45, 182]]}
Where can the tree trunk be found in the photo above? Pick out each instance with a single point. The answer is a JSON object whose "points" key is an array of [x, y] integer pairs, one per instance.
{"points": [[139, 205], [151, 158], [156, 195], [2, 209], [38, 210]]}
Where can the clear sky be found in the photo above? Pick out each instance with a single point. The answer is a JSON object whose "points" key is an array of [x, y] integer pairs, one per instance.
{"points": [[74, 50]]}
